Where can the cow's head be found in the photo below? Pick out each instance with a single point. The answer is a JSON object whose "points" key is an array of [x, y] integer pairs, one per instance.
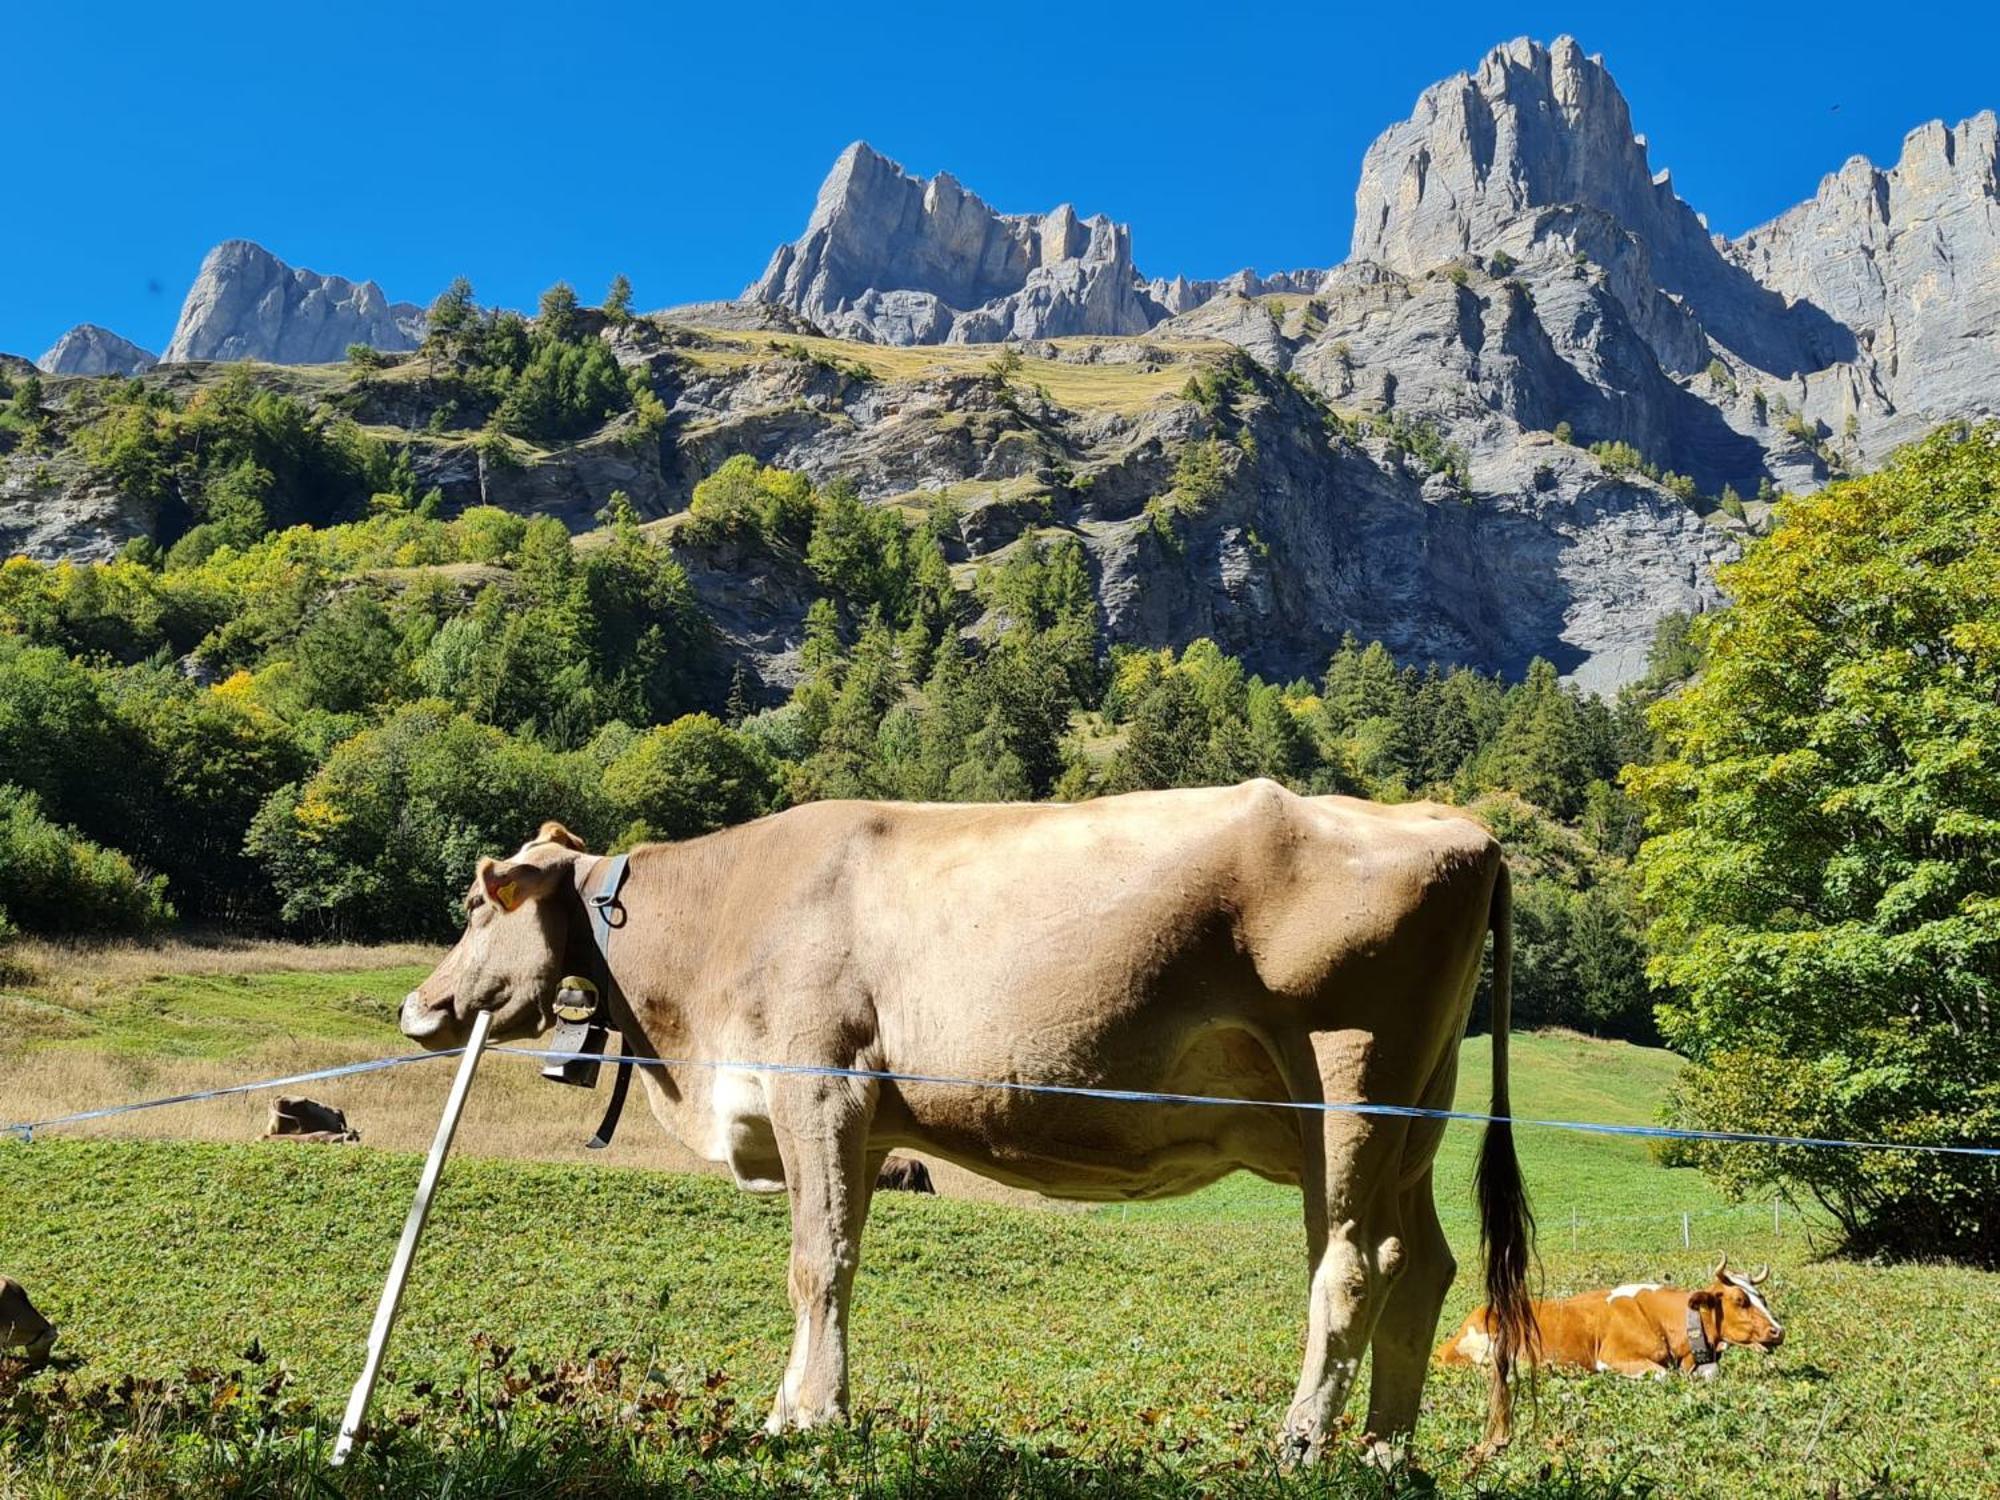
{"points": [[523, 922], [1742, 1315]]}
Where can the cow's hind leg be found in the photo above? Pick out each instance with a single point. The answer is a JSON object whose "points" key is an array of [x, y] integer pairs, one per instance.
{"points": [[821, 1126], [1353, 1251], [1408, 1326]]}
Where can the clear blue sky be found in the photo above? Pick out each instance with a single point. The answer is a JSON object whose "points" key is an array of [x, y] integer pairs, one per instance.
{"points": [[520, 144]]}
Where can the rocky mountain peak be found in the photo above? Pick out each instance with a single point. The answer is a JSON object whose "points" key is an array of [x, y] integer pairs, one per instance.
{"points": [[1532, 127], [90, 350], [894, 258], [247, 304]]}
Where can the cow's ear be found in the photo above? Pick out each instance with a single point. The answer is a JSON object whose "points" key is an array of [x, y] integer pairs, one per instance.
{"points": [[553, 832], [509, 886], [1704, 1299]]}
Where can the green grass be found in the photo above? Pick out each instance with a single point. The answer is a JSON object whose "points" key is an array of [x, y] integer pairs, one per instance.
{"points": [[225, 1015], [997, 1350]]}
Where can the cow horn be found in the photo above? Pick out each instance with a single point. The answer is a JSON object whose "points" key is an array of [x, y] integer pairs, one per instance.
{"points": [[1719, 1265], [1763, 1275]]}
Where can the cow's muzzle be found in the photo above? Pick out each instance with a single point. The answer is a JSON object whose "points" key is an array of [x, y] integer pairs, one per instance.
{"points": [[421, 1022]]}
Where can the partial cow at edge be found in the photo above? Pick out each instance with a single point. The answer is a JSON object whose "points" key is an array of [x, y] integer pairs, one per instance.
{"points": [[1236, 941], [1642, 1328], [24, 1332], [297, 1118]]}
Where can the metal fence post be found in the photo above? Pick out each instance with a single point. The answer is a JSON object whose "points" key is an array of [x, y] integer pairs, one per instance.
{"points": [[1687, 1243]]}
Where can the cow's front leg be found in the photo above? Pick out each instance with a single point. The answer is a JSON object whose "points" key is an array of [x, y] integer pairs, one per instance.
{"points": [[822, 1132]]}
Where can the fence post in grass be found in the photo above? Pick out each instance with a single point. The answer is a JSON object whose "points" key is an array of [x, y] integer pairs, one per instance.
{"points": [[1776, 1227], [1686, 1242], [1572, 1228], [406, 1248]]}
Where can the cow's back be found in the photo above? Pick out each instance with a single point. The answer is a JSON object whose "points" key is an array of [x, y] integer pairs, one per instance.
{"points": [[1174, 942]]}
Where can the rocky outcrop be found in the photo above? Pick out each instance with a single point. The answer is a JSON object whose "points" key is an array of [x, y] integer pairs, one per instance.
{"points": [[895, 259], [1537, 128], [1909, 259], [89, 350], [248, 304], [1178, 294]]}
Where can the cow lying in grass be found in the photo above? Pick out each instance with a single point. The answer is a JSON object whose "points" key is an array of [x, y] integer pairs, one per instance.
{"points": [[1643, 1328], [24, 1333], [1236, 941]]}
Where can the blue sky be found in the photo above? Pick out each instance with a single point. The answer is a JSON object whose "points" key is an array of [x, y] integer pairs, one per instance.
{"points": [[520, 144]]}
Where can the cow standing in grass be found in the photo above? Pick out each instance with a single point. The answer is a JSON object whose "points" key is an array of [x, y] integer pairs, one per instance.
{"points": [[1641, 1328], [1237, 941]]}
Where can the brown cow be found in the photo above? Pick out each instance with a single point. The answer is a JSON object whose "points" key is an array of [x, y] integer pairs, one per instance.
{"points": [[1237, 941], [1642, 1328], [21, 1327], [297, 1118], [903, 1174]]}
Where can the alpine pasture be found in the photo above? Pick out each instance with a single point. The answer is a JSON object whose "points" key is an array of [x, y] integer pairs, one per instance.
{"points": [[611, 1326]]}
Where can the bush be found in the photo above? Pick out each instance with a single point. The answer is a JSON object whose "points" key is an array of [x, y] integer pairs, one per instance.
{"points": [[1824, 867], [691, 777], [53, 880], [383, 839]]}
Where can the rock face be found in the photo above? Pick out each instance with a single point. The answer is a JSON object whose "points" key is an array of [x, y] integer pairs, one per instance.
{"points": [[891, 258], [1384, 433], [1909, 260], [89, 350], [248, 304]]}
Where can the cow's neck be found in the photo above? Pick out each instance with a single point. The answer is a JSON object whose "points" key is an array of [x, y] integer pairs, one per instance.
{"points": [[667, 895], [1703, 1348]]}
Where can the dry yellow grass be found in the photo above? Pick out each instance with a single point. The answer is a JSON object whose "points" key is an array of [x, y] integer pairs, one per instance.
{"points": [[1123, 388]]}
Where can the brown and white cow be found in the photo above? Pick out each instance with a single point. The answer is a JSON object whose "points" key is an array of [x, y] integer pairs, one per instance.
{"points": [[1642, 1328], [1237, 941], [24, 1333]]}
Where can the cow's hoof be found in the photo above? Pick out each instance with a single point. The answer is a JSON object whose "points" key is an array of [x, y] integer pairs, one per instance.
{"points": [[1390, 1456], [1297, 1449]]}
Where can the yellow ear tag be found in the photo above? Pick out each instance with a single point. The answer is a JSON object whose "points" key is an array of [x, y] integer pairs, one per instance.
{"points": [[508, 894]]}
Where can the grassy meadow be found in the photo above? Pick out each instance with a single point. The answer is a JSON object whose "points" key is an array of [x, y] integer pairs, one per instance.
{"points": [[609, 1327]]}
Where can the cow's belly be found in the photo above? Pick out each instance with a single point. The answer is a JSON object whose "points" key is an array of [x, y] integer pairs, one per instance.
{"points": [[1068, 1146]]}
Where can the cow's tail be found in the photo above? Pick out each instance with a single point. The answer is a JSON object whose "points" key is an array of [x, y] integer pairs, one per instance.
{"points": [[1506, 1224]]}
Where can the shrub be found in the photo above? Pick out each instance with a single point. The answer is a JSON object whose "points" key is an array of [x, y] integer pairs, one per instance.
{"points": [[53, 880], [382, 840], [690, 777]]}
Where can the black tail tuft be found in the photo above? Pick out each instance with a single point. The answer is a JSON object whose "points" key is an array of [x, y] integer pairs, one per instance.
{"points": [[1506, 1223]]}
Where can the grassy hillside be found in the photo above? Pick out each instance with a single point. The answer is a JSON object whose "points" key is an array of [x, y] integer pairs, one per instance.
{"points": [[998, 1349]]}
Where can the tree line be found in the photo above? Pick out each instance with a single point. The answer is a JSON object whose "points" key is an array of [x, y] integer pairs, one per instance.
{"points": [[316, 707]]}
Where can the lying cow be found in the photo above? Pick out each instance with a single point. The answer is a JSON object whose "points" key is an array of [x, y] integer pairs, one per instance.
{"points": [[296, 1118], [1644, 1328], [1236, 941], [903, 1174], [24, 1333]]}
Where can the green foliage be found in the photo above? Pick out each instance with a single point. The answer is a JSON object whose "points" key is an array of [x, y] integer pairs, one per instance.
{"points": [[236, 460], [53, 880], [1824, 865], [690, 777], [384, 836], [618, 301]]}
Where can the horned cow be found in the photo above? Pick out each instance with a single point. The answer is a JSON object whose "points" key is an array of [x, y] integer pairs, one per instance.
{"points": [[1641, 1328], [1235, 941]]}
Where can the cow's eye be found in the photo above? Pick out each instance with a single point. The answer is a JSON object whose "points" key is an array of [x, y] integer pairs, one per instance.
{"points": [[474, 902]]}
